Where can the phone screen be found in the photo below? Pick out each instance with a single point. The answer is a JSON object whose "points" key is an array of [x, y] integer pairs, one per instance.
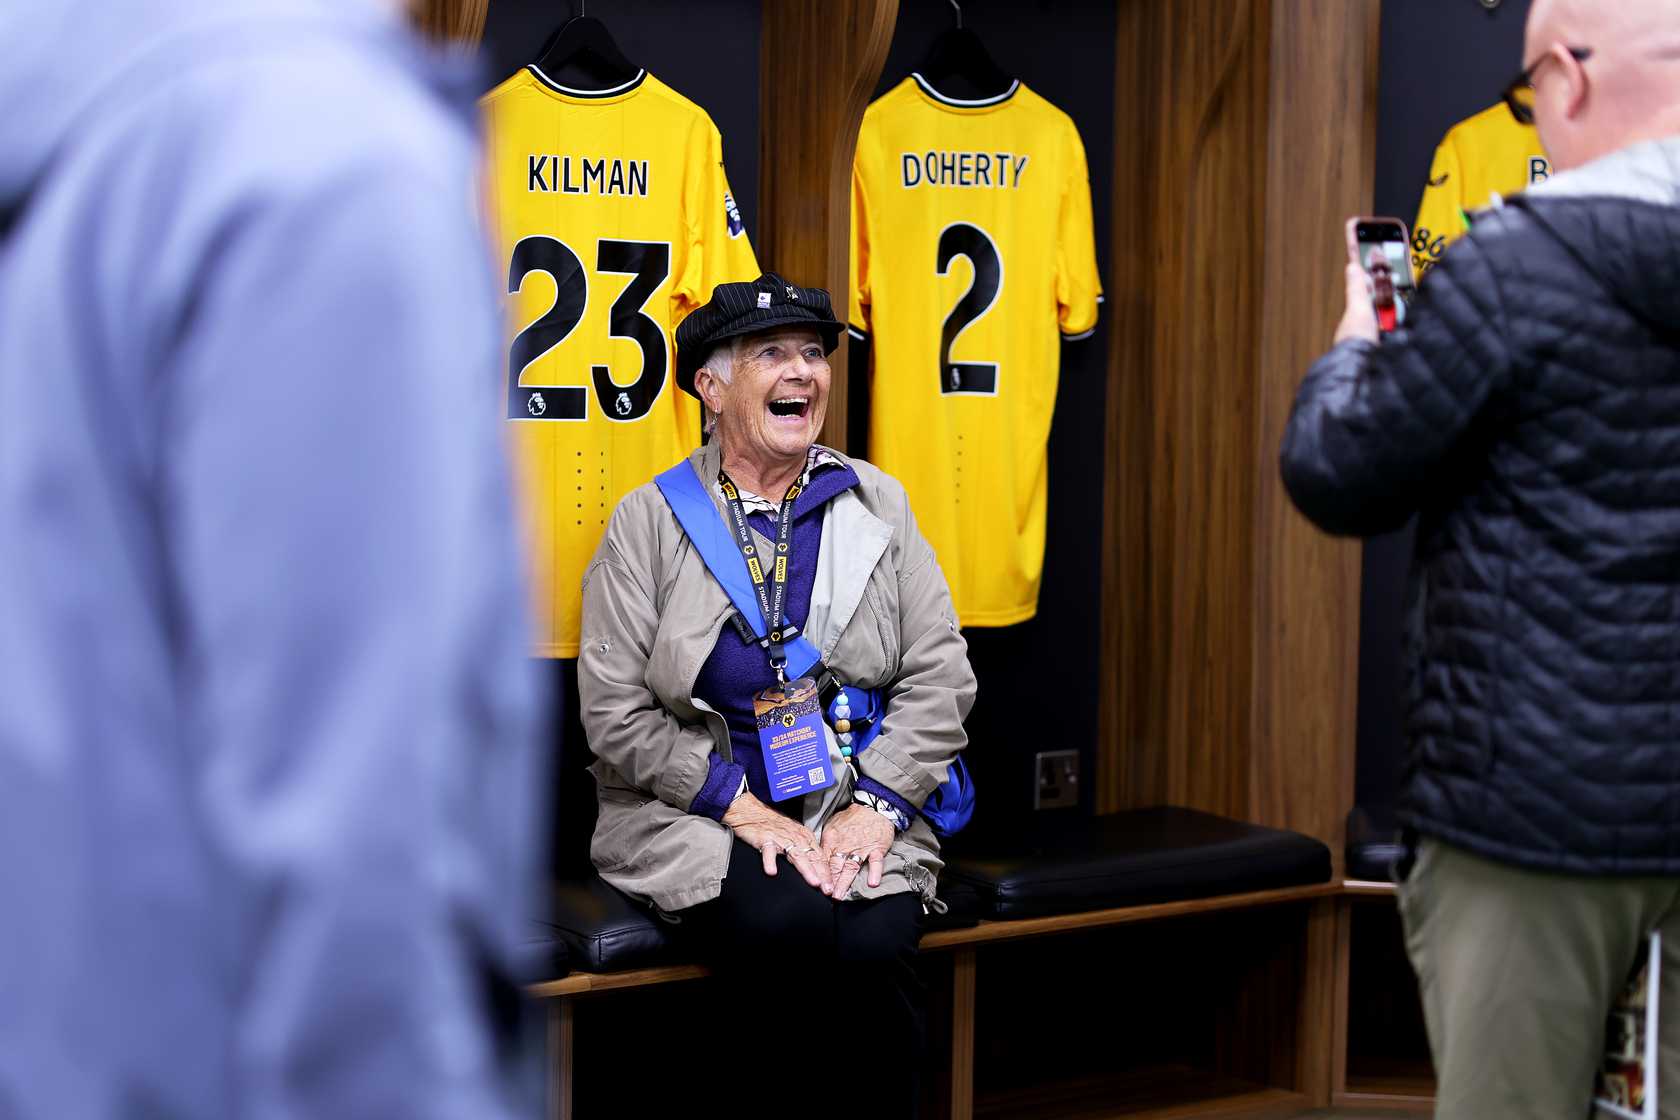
{"points": [[1386, 259]]}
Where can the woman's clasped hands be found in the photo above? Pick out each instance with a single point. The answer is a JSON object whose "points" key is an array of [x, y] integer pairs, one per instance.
{"points": [[855, 838]]}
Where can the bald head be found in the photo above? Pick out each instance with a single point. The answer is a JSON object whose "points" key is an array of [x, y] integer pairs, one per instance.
{"points": [[1626, 92], [1611, 24]]}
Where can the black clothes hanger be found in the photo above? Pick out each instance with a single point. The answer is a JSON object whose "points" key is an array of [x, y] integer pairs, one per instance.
{"points": [[582, 55], [958, 67]]}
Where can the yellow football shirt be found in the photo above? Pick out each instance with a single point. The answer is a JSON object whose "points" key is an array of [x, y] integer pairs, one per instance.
{"points": [[614, 219], [1487, 154], [972, 257]]}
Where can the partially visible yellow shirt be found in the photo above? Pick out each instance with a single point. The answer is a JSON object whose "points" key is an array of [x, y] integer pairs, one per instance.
{"points": [[1480, 156], [972, 257]]}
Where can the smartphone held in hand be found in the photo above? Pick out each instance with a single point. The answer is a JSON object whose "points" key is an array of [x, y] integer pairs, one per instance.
{"points": [[1379, 246]]}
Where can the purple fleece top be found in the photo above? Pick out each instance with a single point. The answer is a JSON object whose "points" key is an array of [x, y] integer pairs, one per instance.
{"points": [[738, 669]]}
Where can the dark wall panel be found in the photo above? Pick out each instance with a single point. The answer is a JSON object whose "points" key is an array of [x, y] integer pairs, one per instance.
{"points": [[1038, 679], [1442, 61]]}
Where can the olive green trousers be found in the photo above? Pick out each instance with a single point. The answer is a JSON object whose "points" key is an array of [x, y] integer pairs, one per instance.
{"points": [[1518, 970]]}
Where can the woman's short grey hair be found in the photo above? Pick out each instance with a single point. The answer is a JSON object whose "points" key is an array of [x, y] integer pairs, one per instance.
{"points": [[721, 362]]}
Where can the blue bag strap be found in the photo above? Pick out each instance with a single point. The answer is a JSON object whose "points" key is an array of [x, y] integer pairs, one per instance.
{"points": [[952, 804], [686, 494]]}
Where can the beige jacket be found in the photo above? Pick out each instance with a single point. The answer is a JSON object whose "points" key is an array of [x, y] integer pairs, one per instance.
{"points": [[881, 615]]}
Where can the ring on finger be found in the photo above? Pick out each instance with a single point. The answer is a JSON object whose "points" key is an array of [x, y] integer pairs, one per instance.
{"points": [[853, 857]]}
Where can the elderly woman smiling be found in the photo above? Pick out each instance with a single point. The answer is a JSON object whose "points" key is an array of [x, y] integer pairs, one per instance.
{"points": [[716, 770]]}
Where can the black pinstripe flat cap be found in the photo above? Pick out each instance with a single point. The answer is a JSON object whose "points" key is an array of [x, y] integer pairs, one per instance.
{"points": [[747, 308]]}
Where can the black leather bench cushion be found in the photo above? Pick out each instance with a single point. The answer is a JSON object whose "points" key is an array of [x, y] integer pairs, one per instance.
{"points": [[542, 956], [1060, 865], [962, 906], [1373, 844], [1064, 863], [604, 930]]}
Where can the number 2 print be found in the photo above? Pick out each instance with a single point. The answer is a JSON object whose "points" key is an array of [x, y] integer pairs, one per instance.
{"points": [[965, 240]]}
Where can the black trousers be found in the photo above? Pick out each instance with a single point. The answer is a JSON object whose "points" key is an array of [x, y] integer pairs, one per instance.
{"points": [[800, 966]]}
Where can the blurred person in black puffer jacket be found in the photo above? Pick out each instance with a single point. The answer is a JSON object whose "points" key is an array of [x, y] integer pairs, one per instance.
{"points": [[1529, 415]]}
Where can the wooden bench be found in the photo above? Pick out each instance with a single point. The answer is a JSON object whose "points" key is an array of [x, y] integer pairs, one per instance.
{"points": [[1311, 1042], [1381, 1057]]}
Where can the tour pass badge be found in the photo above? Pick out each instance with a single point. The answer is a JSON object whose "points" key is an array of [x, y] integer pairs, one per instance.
{"points": [[790, 730]]}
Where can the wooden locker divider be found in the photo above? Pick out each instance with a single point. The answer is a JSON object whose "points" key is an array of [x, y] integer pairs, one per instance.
{"points": [[458, 23], [819, 64], [1320, 170], [1175, 678], [1230, 644], [1228, 674]]}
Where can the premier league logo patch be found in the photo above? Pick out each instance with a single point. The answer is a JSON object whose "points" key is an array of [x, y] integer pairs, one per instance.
{"points": [[732, 214], [535, 405]]}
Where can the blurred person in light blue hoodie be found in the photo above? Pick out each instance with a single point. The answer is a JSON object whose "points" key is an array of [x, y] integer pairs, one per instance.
{"points": [[269, 775]]}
